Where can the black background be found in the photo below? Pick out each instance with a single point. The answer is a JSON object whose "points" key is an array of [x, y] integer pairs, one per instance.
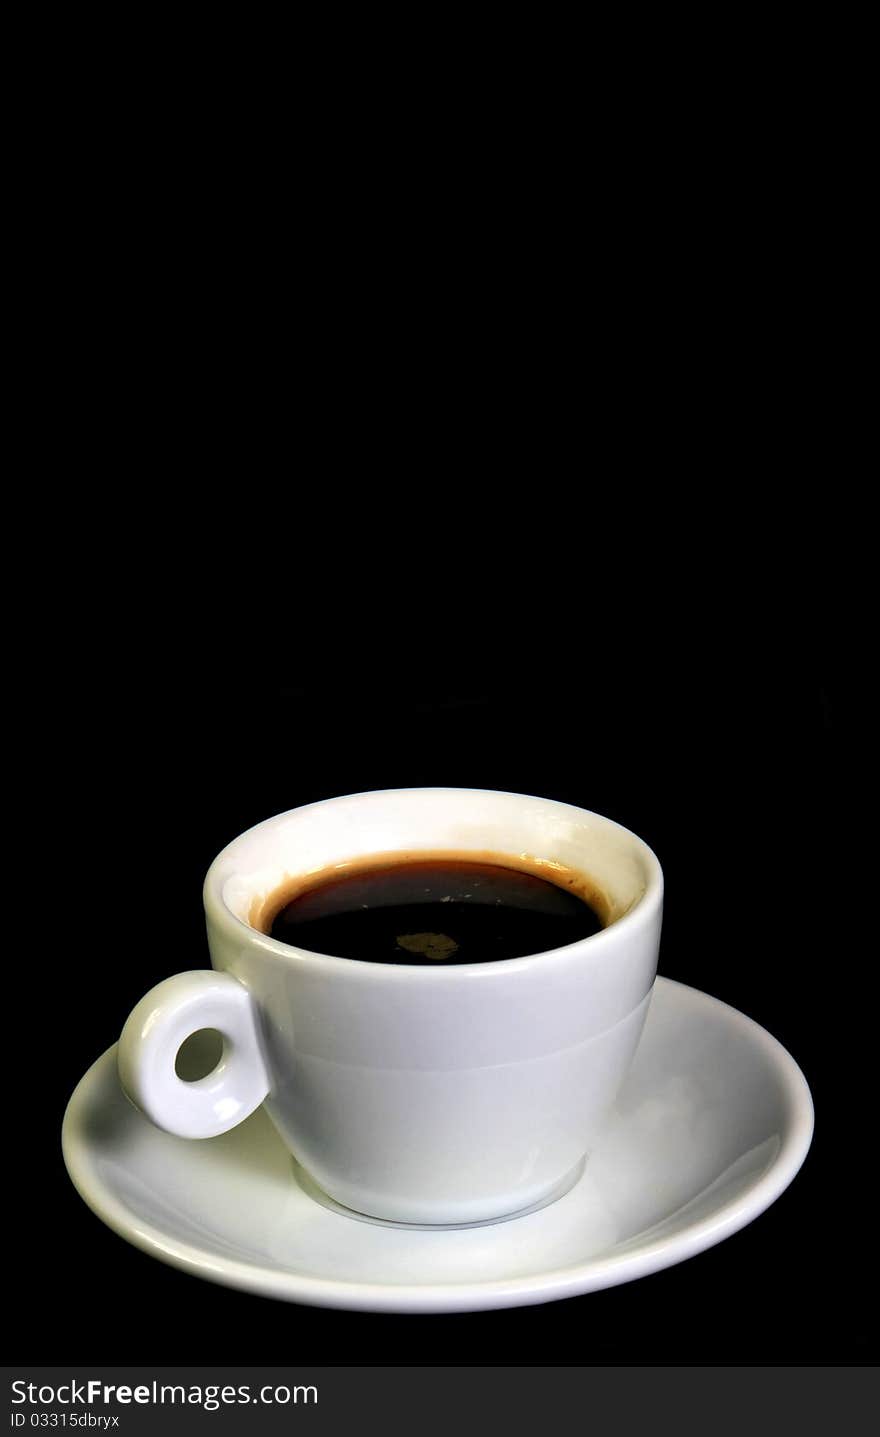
{"points": [[519, 463], [721, 739]]}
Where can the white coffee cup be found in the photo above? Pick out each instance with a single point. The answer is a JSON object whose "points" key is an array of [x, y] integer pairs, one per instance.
{"points": [[454, 1094]]}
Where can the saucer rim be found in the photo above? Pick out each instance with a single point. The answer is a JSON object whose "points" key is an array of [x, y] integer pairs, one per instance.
{"points": [[591, 1275]]}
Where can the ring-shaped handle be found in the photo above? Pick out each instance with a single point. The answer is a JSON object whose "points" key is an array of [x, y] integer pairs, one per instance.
{"points": [[151, 1039]]}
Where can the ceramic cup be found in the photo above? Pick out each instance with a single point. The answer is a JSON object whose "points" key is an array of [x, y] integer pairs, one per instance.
{"points": [[443, 1095]]}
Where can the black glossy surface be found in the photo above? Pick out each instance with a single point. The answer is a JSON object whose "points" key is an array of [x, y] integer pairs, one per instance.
{"points": [[421, 914]]}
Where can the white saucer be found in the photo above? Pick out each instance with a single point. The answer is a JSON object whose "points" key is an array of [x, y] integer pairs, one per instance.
{"points": [[713, 1123]]}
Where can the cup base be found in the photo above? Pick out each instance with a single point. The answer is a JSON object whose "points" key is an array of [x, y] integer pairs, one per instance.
{"points": [[308, 1185]]}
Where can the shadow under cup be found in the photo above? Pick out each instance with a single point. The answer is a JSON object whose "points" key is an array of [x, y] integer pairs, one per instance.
{"points": [[450, 1095]]}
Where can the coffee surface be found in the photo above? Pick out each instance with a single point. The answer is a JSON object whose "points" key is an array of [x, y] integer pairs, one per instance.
{"points": [[433, 912]]}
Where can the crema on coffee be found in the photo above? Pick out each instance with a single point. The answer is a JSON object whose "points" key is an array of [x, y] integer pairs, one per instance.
{"points": [[433, 910]]}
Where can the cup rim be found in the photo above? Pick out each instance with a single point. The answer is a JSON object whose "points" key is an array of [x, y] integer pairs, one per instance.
{"points": [[595, 947]]}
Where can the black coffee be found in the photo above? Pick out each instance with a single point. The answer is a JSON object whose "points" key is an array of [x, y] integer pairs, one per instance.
{"points": [[434, 911]]}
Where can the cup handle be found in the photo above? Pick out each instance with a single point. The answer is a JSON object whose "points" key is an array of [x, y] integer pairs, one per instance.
{"points": [[163, 1019]]}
